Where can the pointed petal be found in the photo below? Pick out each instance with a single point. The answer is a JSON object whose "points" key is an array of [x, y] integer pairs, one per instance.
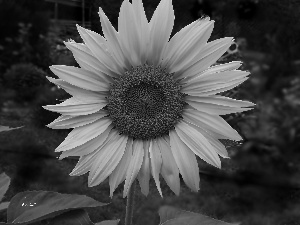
{"points": [[88, 61], [112, 37], [75, 107], [67, 122], [142, 27], [212, 88], [107, 160], [217, 106], [234, 65], [86, 148], [83, 165], [135, 165], [156, 161], [213, 123], [161, 26], [222, 100], [169, 169], [98, 46], [185, 160], [83, 134], [198, 143], [85, 162], [79, 93], [212, 138], [216, 88], [193, 43], [144, 174], [208, 55], [119, 174], [176, 41], [130, 29], [208, 79], [80, 78]]}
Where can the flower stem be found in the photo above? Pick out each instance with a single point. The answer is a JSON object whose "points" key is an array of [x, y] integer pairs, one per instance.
{"points": [[129, 206]]}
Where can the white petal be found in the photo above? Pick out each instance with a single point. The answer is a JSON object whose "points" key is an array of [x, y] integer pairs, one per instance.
{"points": [[144, 174], [119, 174], [86, 148], [97, 44], [217, 69], [198, 143], [83, 165], [79, 93], [208, 79], [156, 161], [213, 123], [211, 137], [112, 38], [212, 88], [88, 61], [222, 100], [67, 122], [107, 160], [134, 166], [185, 160], [216, 88], [176, 41], [208, 55], [130, 30], [80, 78], [193, 43], [83, 134], [217, 106], [85, 162], [161, 26], [75, 107], [169, 169], [142, 28]]}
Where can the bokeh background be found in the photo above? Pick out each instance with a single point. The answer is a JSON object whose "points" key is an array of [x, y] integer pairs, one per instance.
{"points": [[258, 185]]}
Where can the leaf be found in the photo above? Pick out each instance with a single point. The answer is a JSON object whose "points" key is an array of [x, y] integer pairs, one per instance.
{"points": [[5, 128], [3, 205], [74, 217], [108, 222], [172, 216], [39, 205], [4, 184]]}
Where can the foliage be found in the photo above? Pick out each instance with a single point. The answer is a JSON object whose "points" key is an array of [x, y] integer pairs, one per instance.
{"points": [[25, 23], [25, 80]]}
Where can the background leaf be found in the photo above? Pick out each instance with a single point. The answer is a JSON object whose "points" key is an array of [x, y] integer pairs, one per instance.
{"points": [[4, 184], [40, 205], [172, 216], [4, 205]]}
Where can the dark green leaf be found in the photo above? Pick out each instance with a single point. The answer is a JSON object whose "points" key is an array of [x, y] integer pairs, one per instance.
{"points": [[4, 184], [108, 222], [39, 205], [74, 217], [172, 216], [3, 205]]}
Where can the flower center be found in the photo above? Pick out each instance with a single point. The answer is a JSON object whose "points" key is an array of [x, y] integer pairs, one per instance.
{"points": [[145, 102]]}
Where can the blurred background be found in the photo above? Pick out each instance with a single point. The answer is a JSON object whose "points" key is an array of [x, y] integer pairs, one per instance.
{"points": [[260, 183]]}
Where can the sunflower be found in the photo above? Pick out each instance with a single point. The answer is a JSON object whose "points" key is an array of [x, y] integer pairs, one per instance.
{"points": [[143, 104]]}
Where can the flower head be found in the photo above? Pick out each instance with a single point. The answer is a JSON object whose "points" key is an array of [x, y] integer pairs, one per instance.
{"points": [[145, 105]]}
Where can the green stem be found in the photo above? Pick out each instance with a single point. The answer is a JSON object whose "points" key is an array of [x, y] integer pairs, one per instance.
{"points": [[129, 206]]}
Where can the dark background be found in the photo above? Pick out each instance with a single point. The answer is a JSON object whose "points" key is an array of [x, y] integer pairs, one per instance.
{"points": [[258, 185]]}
